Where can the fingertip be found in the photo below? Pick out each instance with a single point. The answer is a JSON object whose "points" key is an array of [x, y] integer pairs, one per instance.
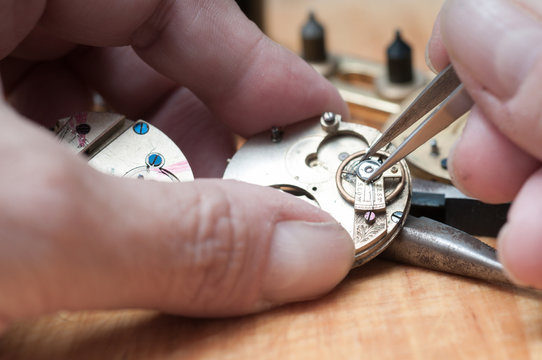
{"points": [[519, 241], [428, 61], [306, 260], [503, 255], [486, 165], [454, 171], [519, 254]]}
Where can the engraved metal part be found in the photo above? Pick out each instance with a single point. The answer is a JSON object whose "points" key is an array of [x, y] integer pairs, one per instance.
{"points": [[324, 168], [122, 147]]}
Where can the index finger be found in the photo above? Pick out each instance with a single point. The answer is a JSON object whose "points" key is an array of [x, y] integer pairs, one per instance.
{"points": [[248, 81]]}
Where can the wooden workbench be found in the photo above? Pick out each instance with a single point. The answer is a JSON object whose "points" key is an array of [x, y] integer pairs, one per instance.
{"points": [[380, 311]]}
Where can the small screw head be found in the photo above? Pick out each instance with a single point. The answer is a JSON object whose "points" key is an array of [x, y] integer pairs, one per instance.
{"points": [[155, 160], [396, 216], [82, 129], [394, 169], [435, 151], [328, 117], [141, 128], [276, 134], [330, 122], [366, 168], [370, 217]]}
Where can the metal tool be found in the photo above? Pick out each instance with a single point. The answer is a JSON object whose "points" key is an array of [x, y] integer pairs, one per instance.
{"points": [[321, 163], [451, 100], [430, 161], [378, 92]]}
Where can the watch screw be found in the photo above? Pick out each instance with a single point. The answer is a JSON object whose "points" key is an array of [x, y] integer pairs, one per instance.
{"points": [[396, 216], [141, 128], [82, 129], [370, 217], [434, 148], [276, 134], [330, 122], [328, 117]]}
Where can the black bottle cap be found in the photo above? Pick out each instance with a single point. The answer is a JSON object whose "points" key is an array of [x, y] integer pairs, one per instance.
{"points": [[399, 59], [313, 35]]}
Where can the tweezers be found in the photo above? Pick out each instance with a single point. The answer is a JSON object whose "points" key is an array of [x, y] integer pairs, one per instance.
{"points": [[422, 241], [446, 95]]}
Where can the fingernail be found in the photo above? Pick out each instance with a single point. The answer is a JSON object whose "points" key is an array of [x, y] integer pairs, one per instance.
{"points": [[428, 59], [306, 260], [451, 169], [499, 55], [519, 256], [503, 253]]}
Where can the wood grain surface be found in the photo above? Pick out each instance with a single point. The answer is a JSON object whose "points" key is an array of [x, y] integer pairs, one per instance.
{"points": [[383, 310]]}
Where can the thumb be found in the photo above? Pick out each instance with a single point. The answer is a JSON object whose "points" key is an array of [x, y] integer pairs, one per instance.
{"points": [[230, 248], [207, 248]]}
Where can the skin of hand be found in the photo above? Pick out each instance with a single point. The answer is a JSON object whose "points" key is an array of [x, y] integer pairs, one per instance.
{"points": [[495, 47], [73, 238]]}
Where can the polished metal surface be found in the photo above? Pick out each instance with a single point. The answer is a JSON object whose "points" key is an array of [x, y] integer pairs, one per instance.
{"points": [[326, 168], [433, 245], [121, 147], [321, 166]]}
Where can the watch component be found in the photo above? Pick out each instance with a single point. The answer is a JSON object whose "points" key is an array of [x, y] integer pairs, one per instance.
{"points": [[435, 151], [330, 122], [373, 219], [121, 147], [327, 169], [320, 161], [276, 134]]}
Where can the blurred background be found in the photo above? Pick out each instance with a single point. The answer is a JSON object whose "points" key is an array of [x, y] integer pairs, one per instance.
{"points": [[362, 28]]}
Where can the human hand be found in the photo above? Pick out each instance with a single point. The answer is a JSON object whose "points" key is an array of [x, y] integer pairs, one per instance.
{"points": [[495, 47], [72, 238]]}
